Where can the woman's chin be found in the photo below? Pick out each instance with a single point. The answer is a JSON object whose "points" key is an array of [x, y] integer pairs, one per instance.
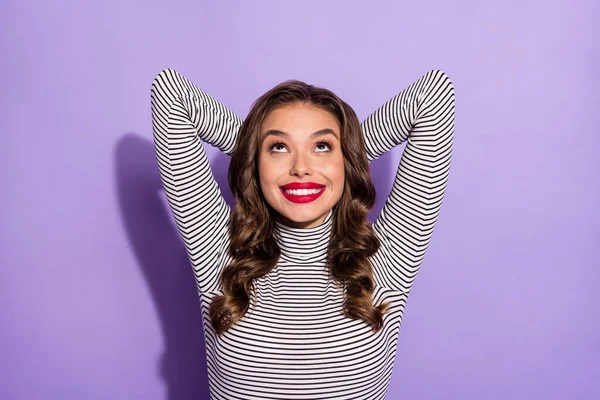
{"points": [[303, 220]]}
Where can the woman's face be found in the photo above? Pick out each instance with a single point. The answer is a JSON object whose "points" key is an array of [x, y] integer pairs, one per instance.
{"points": [[300, 163]]}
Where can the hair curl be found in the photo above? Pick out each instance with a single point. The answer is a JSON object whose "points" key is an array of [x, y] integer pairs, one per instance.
{"points": [[252, 246]]}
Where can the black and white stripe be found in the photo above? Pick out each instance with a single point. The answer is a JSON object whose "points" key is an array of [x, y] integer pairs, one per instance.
{"points": [[296, 343], [422, 115]]}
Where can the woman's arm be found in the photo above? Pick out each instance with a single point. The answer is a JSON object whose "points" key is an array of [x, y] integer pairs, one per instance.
{"points": [[423, 115], [182, 116]]}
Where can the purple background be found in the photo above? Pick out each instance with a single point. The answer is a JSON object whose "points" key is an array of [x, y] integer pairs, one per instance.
{"points": [[97, 298]]}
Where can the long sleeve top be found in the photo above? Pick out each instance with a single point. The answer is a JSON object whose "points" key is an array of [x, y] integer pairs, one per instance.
{"points": [[295, 342]]}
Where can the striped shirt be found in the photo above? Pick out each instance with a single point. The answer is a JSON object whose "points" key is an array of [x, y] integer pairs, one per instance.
{"points": [[295, 343]]}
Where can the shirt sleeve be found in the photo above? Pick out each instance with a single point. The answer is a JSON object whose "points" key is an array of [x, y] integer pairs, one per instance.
{"points": [[183, 115], [423, 115]]}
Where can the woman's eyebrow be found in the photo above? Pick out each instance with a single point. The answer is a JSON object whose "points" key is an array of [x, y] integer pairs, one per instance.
{"points": [[277, 132]]}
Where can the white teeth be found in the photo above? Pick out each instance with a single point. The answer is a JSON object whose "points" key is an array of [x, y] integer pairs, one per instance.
{"points": [[302, 192]]}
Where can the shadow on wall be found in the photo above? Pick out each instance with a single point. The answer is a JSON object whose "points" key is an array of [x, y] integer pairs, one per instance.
{"points": [[383, 172], [161, 255], [163, 260]]}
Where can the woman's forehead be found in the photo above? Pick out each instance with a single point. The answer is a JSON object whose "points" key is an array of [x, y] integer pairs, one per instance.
{"points": [[299, 121]]}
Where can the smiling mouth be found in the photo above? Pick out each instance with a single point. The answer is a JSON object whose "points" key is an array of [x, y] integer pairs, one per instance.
{"points": [[302, 192], [302, 195]]}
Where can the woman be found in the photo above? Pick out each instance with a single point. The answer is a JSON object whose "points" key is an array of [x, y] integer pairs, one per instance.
{"points": [[301, 297]]}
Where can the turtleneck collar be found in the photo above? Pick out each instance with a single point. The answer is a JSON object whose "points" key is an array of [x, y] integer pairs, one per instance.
{"points": [[304, 245]]}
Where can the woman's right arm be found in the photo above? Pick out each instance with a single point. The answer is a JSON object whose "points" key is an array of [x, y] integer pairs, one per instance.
{"points": [[182, 116]]}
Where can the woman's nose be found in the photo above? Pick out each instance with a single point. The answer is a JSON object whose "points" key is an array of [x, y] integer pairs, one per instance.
{"points": [[301, 165]]}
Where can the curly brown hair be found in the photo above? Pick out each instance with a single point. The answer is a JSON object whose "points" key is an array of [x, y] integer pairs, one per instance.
{"points": [[254, 250]]}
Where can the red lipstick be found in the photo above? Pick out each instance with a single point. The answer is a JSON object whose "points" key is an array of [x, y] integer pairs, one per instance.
{"points": [[305, 198]]}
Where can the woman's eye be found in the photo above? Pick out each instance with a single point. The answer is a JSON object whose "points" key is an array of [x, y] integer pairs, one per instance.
{"points": [[278, 148], [323, 146]]}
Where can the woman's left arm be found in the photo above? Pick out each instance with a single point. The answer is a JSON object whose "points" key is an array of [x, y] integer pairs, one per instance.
{"points": [[423, 115]]}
